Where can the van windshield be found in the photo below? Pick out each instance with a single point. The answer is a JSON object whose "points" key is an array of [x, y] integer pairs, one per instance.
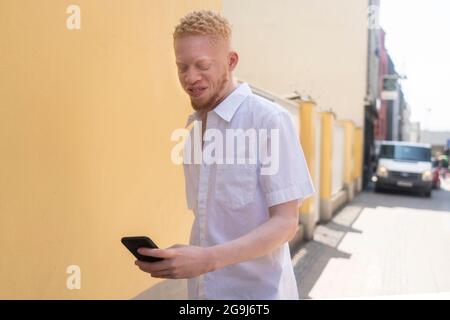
{"points": [[408, 153]]}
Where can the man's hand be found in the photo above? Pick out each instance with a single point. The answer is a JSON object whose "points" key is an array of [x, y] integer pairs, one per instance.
{"points": [[189, 261], [179, 262]]}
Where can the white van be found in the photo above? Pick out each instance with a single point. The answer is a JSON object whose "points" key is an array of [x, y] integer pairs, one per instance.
{"points": [[404, 165]]}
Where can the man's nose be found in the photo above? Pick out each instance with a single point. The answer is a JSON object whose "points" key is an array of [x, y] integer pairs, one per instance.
{"points": [[192, 77]]}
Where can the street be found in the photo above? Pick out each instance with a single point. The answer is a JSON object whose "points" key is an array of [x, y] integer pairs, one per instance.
{"points": [[380, 244]]}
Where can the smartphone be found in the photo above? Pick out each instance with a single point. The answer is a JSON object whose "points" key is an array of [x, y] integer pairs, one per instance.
{"points": [[134, 243]]}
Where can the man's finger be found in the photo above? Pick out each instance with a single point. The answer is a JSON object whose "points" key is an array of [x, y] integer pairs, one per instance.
{"points": [[163, 273], [157, 253], [177, 246], [168, 276], [152, 266]]}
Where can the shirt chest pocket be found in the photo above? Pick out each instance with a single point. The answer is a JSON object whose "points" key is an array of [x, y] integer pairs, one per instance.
{"points": [[235, 185]]}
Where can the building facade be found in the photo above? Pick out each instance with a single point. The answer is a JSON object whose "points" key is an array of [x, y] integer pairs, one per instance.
{"points": [[296, 46]]}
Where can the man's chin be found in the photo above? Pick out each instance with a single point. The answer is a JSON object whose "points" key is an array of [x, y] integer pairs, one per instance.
{"points": [[206, 103], [198, 106]]}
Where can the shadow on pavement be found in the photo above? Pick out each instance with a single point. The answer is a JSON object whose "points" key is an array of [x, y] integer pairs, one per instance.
{"points": [[312, 257], [341, 228]]}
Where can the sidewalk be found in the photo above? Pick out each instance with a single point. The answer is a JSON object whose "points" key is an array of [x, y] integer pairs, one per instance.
{"points": [[312, 257], [379, 245]]}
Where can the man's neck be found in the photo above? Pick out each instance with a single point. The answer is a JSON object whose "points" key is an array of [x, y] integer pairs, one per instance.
{"points": [[228, 90]]}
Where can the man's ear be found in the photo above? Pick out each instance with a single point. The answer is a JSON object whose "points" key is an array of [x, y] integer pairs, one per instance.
{"points": [[233, 60]]}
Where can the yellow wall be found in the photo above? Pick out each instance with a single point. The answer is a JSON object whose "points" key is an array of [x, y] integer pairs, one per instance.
{"points": [[349, 161], [85, 123], [307, 139], [326, 175], [358, 153]]}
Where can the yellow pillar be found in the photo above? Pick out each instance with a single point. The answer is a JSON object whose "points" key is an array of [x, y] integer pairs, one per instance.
{"points": [[326, 150], [307, 139], [349, 133], [358, 157]]}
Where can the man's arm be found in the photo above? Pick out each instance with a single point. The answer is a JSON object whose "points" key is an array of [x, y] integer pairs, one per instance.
{"points": [[281, 227], [191, 261]]}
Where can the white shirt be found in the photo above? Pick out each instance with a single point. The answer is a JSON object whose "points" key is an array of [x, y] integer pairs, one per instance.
{"points": [[230, 200]]}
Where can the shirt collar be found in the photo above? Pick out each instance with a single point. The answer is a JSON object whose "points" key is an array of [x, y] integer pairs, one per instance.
{"points": [[192, 117], [228, 107]]}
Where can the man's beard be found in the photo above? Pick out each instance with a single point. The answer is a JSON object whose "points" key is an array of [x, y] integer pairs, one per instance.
{"points": [[215, 99]]}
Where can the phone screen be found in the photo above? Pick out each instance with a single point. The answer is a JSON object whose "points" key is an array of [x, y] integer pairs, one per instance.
{"points": [[134, 243]]}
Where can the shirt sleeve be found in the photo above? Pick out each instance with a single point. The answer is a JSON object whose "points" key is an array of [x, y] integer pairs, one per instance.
{"points": [[284, 174]]}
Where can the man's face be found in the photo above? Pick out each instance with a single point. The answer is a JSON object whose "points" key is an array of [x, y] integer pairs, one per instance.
{"points": [[204, 69]]}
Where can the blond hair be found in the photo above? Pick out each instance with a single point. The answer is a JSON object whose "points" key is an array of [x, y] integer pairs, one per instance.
{"points": [[205, 23]]}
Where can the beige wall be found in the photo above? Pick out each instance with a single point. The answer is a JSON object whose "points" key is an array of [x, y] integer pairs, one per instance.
{"points": [[85, 123], [317, 48]]}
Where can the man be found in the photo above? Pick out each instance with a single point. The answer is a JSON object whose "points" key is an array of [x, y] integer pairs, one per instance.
{"points": [[243, 219]]}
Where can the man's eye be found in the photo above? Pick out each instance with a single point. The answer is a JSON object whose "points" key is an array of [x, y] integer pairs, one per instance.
{"points": [[182, 69], [204, 66]]}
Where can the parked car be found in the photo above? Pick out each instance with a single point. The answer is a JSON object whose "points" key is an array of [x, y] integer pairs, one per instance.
{"points": [[436, 174], [443, 165], [405, 166]]}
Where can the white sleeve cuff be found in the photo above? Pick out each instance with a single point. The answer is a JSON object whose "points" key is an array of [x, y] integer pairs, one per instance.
{"points": [[300, 192]]}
